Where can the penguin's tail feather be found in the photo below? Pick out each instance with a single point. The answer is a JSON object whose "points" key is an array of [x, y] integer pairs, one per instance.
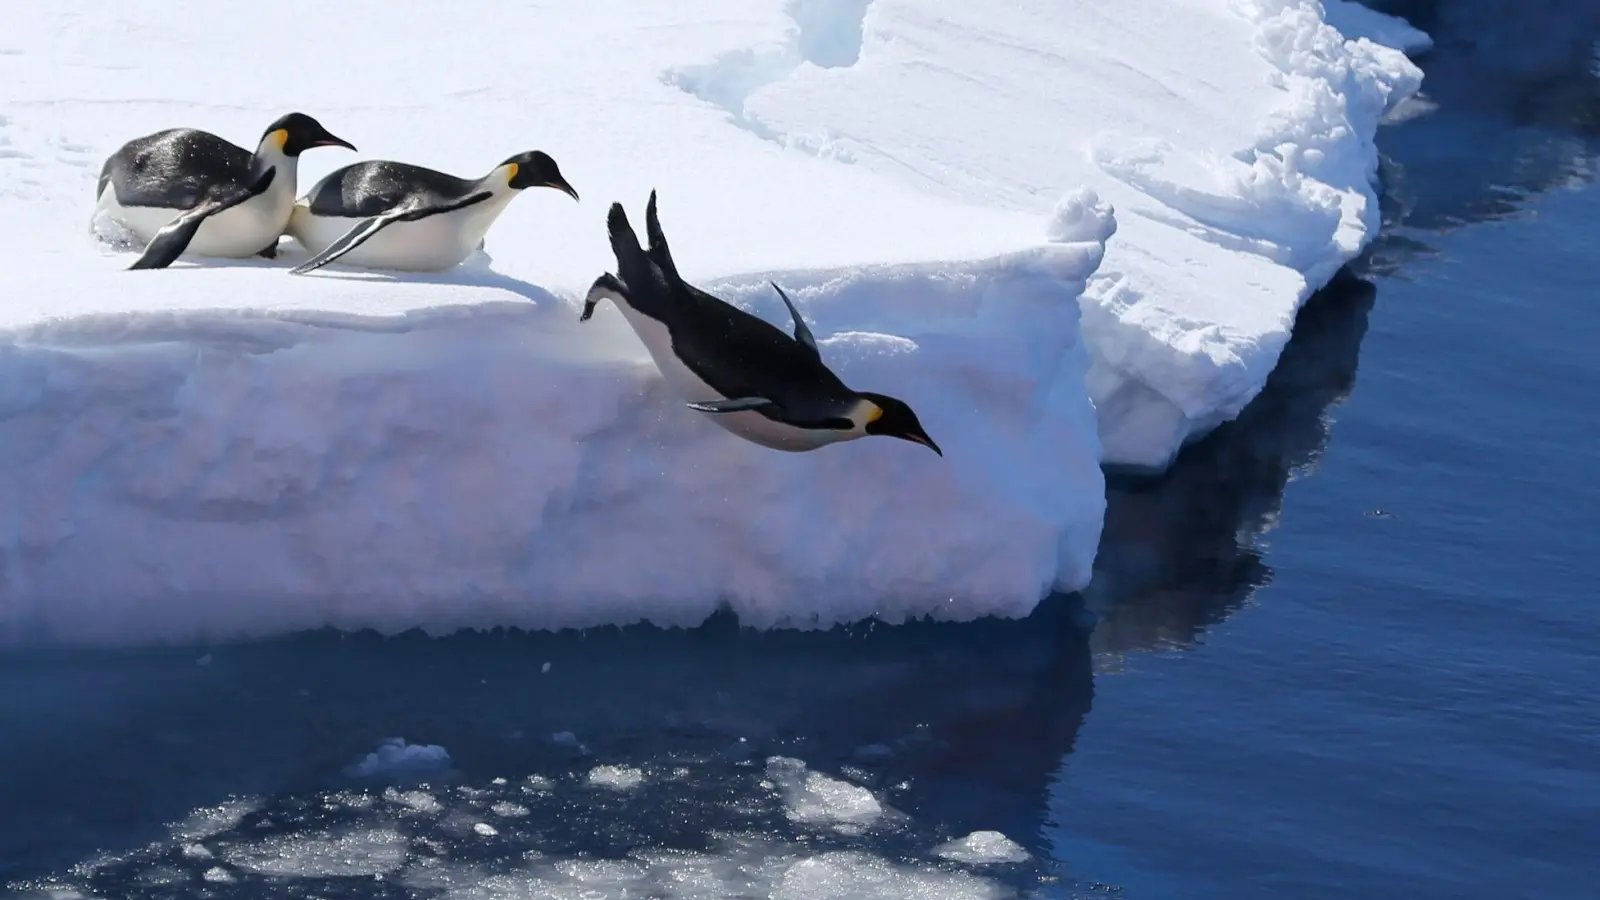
{"points": [[633, 263], [660, 253]]}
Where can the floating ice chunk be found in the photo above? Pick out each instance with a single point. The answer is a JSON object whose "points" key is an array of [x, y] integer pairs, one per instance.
{"points": [[210, 820], [874, 752], [735, 867], [1355, 20], [813, 798], [982, 847], [395, 758], [416, 801], [616, 778], [375, 851], [865, 877]]}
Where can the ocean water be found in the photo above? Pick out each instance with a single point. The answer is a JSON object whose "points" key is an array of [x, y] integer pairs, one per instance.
{"points": [[1348, 647]]}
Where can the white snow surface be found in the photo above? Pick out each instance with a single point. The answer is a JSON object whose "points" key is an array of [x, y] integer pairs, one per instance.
{"points": [[1062, 233]]}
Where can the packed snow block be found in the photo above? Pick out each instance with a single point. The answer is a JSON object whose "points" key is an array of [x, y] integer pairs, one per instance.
{"points": [[504, 465]]}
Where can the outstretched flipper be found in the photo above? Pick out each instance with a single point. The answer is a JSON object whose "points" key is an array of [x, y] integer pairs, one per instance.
{"points": [[737, 404], [773, 411], [659, 252], [174, 237], [606, 287], [802, 333], [365, 229]]}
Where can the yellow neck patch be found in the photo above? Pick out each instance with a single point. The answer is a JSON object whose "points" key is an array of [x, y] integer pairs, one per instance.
{"points": [[874, 413], [280, 138], [511, 172]]}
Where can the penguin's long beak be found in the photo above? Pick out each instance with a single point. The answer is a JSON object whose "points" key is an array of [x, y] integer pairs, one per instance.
{"points": [[561, 185], [918, 437], [328, 140]]}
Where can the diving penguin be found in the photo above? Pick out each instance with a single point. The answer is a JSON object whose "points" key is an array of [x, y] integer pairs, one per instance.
{"points": [[391, 215], [188, 190], [749, 376]]}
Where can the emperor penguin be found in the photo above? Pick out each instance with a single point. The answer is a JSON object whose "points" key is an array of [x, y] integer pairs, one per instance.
{"points": [[750, 377], [183, 189], [391, 215]]}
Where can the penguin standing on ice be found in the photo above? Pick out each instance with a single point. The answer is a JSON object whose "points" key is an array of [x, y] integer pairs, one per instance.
{"points": [[184, 190], [749, 376], [390, 215]]}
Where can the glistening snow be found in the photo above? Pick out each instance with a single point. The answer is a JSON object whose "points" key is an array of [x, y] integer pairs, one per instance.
{"points": [[1066, 234]]}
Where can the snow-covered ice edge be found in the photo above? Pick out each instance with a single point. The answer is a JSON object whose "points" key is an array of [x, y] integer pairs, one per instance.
{"points": [[480, 468], [1303, 197]]}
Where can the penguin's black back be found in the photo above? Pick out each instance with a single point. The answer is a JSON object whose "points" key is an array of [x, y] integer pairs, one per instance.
{"points": [[733, 351], [173, 169], [369, 188], [742, 355]]}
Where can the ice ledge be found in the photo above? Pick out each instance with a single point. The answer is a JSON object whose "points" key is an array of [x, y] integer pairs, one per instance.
{"points": [[1302, 201], [504, 465]]}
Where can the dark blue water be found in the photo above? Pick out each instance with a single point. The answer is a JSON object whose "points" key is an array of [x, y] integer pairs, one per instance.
{"points": [[1348, 647]]}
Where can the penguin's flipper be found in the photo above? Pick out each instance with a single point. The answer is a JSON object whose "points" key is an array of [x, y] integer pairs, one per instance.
{"points": [[366, 228], [745, 404], [174, 237], [606, 287], [343, 244], [802, 333], [736, 404], [659, 252]]}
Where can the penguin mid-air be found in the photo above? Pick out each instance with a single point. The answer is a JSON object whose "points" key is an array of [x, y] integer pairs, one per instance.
{"points": [[184, 190], [390, 215], [748, 375]]}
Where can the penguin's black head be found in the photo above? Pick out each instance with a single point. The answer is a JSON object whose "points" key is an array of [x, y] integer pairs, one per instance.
{"points": [[895, 419], [535, 169], [296, 133]]}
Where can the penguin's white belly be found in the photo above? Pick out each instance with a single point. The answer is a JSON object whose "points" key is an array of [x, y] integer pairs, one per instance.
{"points": [[426, 245], [236, 232], [752, 426]]}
